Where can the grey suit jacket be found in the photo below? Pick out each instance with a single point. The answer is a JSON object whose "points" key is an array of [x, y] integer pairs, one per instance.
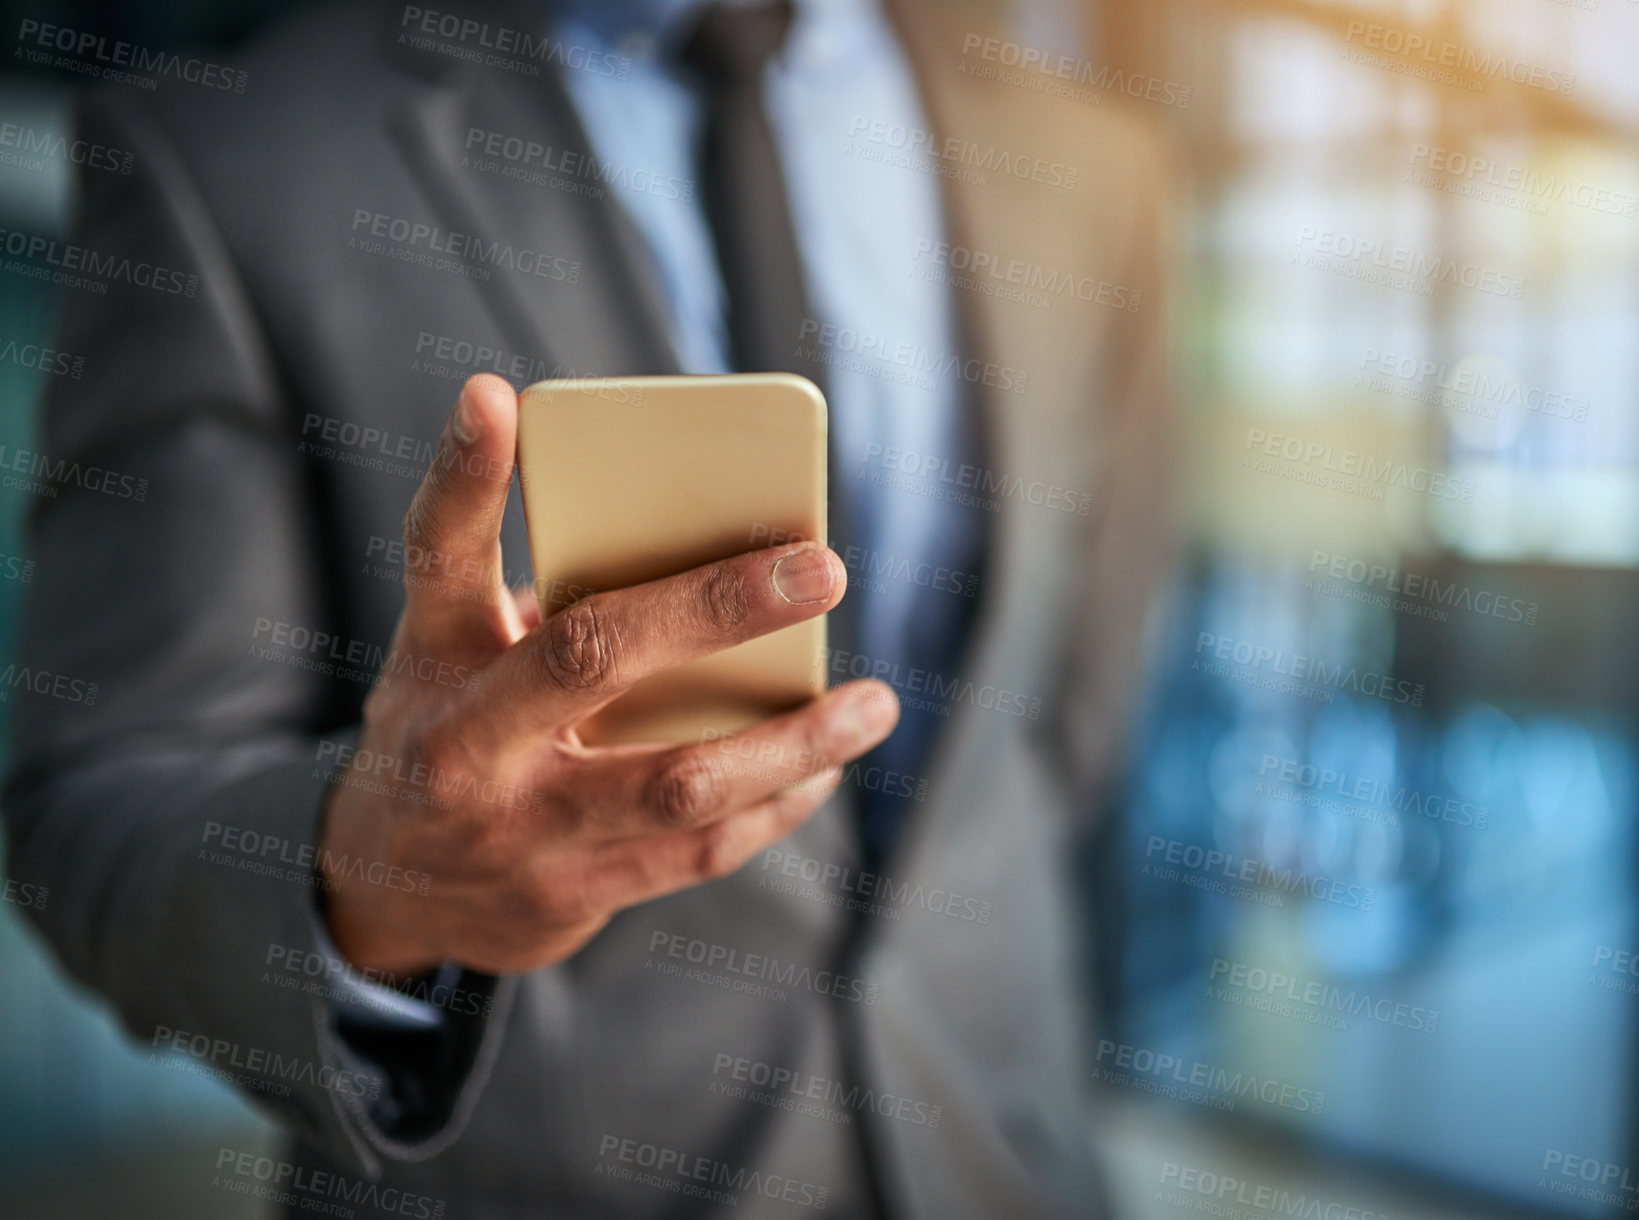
{"points": [[266, 394]]}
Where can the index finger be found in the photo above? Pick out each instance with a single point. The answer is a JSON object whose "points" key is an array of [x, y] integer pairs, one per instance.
{"points": [[589, 652]]}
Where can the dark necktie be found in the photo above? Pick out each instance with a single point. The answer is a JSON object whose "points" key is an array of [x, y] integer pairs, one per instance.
{"points": [[743, 191], [743, 188]]}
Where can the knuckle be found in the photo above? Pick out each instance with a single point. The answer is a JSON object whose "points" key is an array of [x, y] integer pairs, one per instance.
{"points": [[579, 646], [432, 743], [725, 599], [687, 791]]}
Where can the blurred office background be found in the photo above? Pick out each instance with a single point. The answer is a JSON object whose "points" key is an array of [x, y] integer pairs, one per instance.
{"points": [[1488, 816], [1489, 335]]}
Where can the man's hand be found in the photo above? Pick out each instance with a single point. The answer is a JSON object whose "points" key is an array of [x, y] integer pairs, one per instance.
{"points": [[469, 769]]}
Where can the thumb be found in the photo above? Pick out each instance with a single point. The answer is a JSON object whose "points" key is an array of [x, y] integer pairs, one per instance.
{"points": [[452, 553]]}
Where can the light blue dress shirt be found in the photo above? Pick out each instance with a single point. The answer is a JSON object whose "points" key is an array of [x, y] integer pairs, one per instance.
{"points": [[859, 216], [840, 76]]}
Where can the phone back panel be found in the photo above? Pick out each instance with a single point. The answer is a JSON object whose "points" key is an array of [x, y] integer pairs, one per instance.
{"points": [[630, 479]]}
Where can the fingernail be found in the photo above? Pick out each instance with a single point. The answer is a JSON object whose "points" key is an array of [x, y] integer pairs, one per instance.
{"points": [[465, 425], [804, 577]]}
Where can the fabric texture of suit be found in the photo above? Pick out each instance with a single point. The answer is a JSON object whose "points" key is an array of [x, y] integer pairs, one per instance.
{"points": [[282, 413]]}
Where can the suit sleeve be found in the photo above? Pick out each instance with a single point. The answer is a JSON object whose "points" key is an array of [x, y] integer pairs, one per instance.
{"points": [[167, 767]]}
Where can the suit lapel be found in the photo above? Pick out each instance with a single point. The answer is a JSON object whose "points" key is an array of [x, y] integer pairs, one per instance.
{"points": [[595, 311], [1014, 441]]}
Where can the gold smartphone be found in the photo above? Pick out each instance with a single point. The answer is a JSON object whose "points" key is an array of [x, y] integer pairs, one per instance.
{"points": [[629, 479]]}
